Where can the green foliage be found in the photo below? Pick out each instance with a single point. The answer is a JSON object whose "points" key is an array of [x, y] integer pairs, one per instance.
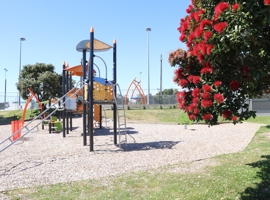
{"points": [[228, 42], [41, 79], [183, 119]]}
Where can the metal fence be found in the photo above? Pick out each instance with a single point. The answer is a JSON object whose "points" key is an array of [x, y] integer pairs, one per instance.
{"points": [[12, 101]]}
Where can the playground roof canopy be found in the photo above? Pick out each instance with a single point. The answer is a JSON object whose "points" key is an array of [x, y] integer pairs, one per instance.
{"points": [[98, 46], [77, 70]]}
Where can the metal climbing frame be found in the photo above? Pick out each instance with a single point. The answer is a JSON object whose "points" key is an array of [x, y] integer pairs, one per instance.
{"points": [[121, 115], [8, 141]]}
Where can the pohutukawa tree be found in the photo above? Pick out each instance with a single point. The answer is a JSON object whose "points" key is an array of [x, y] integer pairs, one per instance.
{"points": [[227, 60]]}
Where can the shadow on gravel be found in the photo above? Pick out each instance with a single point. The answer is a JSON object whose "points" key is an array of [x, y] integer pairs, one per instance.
{"points": [[148, 145], [109, 131]]}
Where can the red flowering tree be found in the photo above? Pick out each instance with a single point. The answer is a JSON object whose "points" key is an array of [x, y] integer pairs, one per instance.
{"points": [[227, 60]]}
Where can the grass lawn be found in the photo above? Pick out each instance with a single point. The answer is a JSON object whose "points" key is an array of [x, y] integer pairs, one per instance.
{"points": [[244, 175]]}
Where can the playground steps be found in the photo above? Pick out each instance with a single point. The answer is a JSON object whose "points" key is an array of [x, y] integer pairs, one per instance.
{"points": [[29, 126], [121, 115]]}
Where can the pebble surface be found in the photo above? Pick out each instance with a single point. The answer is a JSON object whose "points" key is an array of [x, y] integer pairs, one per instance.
{"points": [[41, 158]]}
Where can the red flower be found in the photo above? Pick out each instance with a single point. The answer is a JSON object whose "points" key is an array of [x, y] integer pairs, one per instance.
{"points": [[245, 69], [191, 117], [200, 57], [226, 114], [209, 49], [207, 88], [196, 79], [198, 32], [234, 85], [219, 27], [182, 38], [234, 118], [207, 35], [235, 6], [207, 117], [181, 95], [191, 107], [219, 98], [179, 72], [189, 9], [196, 92], [217, 83], [206, 95], [196, 111], [221, 7], [202, 47], [181, 105], [207, 103], [197, 16], [190, 78], [205, 22], [206, 70], [182, 82], [196, 101], [191, 37]]}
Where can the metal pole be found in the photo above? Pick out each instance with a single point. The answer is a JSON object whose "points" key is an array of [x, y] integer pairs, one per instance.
{"points": [[160, 93], [21, 39], [5, 100], [115, 91], [84, 97], [148, 70], [64, 98], [90, 91]]}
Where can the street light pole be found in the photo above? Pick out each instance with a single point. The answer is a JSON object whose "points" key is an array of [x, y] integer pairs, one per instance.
{"points": [[160, 93], [21, 39], [148, 70], [5, 100]]}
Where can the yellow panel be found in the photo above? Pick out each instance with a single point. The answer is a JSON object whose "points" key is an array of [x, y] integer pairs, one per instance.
{"points": [[85, 91], [96, 113]]}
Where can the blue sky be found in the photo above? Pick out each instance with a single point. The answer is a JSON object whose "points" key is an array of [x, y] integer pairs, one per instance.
{"points": [[52, 30]]}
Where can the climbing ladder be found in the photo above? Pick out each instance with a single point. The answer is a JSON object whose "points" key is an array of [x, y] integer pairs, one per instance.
{"points": [[8, 141], [121, 115]]}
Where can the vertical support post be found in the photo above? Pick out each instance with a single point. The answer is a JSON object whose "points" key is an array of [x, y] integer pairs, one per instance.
{"points": [[90, 91], [70, 86], [67, 112], [115, 82], [100, 123], [50, 124], [64, 99], [84, 97]]}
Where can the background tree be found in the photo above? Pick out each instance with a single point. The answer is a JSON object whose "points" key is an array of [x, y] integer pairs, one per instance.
{"points": [[42, 80], [227, 59]]}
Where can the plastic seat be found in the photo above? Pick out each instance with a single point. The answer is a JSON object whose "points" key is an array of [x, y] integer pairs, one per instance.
{"points": [[56, 124]]}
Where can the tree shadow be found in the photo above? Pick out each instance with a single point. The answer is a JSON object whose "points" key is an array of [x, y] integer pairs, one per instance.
{"points": [[262, 190]]}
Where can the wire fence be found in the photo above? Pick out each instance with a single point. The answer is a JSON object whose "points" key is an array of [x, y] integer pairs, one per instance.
{"points": [[13, 97]]}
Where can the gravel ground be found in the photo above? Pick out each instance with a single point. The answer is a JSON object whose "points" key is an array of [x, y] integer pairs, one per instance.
{"points": [[41, 158]]}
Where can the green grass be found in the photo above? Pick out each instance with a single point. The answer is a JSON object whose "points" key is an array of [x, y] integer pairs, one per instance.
{"points": [[153, 115], [244, 175]]}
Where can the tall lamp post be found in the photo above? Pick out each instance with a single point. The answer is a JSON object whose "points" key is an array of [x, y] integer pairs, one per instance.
{"points": [[148, 70], [5, 100], [21, 39], [160, 93]]}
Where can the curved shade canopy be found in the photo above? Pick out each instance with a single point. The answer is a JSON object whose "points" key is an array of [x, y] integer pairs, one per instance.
{"points": [[98, 46]]}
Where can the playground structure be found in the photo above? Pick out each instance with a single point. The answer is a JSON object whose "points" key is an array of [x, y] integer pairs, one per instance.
{"points": [[93, 92], [137, 87]]}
